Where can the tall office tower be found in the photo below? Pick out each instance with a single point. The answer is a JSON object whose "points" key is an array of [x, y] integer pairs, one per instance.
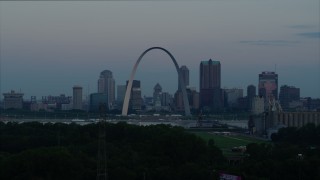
{"points": [[251, 93], [106, 84], [135, 97], [157, 90], [287, 95], [178, 100], [268, 85], [211, 95], [121, 91], [184, 74], [195, 99], [77, 97]]}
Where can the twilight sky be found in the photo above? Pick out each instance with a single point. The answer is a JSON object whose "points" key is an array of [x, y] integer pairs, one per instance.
{"points": [[47, 47]]}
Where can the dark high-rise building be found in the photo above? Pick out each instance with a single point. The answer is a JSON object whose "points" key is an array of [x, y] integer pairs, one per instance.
{"points": [[77, 97], [287, 95], [251, 93], [106, 84], [211, 95], [210, 74], [184, 73], [268, 85], [121, 91], [97, 100], [135, 97]]}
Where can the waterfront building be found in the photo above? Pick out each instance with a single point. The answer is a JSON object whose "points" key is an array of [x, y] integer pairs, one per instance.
{"points": [[13, 100], [310, 104], [66, 107], [288, 95], [271, 122], [97, 100], [58, 100], [77, 97]]}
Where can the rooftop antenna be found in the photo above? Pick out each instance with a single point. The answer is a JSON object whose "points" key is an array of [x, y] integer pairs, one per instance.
{"points": [[275, 68]]}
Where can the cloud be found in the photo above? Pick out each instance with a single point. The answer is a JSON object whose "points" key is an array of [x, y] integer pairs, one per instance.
{"points": [[270, 42], [310, 34]]}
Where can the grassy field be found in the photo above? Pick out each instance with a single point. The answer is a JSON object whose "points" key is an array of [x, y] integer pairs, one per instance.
{"points": [[226, 142]]}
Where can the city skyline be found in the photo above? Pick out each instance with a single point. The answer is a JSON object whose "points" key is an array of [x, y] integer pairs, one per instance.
{"points": [[46, 48]]}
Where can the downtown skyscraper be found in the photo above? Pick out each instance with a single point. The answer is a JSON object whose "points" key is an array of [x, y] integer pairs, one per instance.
{"points": [[251, 93], [106, 85], [268, 85], [184, 75], [135, 103], [77, 97], [210, 85]]}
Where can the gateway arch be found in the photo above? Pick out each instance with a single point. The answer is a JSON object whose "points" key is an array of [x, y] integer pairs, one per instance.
{"points": [[182, 85]]}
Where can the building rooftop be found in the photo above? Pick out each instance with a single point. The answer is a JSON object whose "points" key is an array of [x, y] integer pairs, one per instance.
{"points": [[106, 73], [184, 67], [210, 61], [268, 72], [12, 92], [157, 87]]}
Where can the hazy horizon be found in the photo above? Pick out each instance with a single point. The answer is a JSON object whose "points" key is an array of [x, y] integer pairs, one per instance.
{"points": [[48, 47]]}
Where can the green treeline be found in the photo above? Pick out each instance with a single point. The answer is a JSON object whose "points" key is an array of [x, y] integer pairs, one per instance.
{"points": [[294, 154], [60, 151]]}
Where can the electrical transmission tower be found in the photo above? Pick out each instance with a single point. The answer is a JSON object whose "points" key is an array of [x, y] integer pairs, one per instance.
{"points": [[102, 153]]}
